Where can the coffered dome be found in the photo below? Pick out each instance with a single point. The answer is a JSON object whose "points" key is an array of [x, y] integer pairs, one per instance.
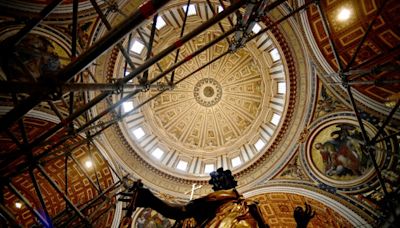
{"points": [[222, 115]]}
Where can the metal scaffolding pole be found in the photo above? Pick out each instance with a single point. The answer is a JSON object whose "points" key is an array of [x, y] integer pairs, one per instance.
{"points": [[27, 87], [40, 196], [325, 24], [103, 19]]}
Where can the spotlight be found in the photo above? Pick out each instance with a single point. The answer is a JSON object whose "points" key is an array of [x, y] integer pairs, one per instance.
{"points": [[18, 205], [88, 164], [344, 14]]}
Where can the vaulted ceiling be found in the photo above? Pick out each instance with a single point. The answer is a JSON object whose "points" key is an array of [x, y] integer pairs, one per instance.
{"points": [[258, 110]]}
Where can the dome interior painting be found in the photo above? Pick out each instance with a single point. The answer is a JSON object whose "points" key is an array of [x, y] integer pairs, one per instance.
{"points": [[104, 100]]}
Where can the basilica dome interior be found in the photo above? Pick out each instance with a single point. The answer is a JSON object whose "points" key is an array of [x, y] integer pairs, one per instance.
{"points": [[298, 98]]}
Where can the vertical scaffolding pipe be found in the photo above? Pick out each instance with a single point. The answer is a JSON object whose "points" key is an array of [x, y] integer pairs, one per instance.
{"points": [[367, 141], [67, 200], [325, 24], [149, 47], [66, 176], [40, 196], [103, 19], [181, 34]]}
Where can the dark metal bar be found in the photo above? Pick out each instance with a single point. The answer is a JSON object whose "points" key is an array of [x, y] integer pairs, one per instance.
{"points": [[30, 25], [21, 127], [127, 49], [106, 191], [85, 172], [374, 82], [224, 7], [376, 70], [388, 137], [178, 50], [376, 57], [21, 87], [378, 171], [71, 110], [66, 175], [219, 23], [55, 109], [23, 131], [29, 205], [103, 19], [105, 159], [145, 10], [387, 120], [147, 46], [357, 113], [58, 189], [150, 48], [93, 161], [74, 27], [325, 24], [125, 67], [88, 205], [104, 212], [74, 35], [14, 138], [367, 141], [353, 58], [40, 196]]}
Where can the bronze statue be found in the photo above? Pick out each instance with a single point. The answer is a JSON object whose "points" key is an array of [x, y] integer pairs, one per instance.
{"points": [[225, 207]]}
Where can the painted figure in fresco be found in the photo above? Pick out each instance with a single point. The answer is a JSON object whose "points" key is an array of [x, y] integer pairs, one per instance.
{"points": [[343, 154], [224, 208], [326, 103], [149, 218], [33, 58]]}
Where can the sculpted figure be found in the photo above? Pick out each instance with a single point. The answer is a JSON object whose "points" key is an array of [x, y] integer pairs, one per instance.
{"points": [[225, 207]]}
